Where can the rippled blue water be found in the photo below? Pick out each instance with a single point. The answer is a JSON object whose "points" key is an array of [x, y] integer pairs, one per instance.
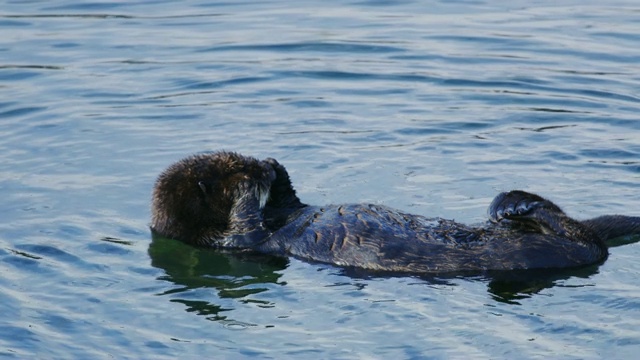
{"points": [[431, 107]]}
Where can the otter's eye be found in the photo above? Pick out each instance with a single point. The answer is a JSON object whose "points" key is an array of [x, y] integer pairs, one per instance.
{"points": [[203, 186]]}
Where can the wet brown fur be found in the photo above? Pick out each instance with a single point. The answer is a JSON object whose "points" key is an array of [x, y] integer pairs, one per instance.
{"points": [[183, 210]]}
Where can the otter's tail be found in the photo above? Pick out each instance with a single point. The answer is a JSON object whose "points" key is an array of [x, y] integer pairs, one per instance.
{"points": [[614, 227]]}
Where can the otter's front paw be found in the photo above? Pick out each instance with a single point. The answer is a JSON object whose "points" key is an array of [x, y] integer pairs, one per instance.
{"points": [[513, 205], [281, 174], [280, 171], [282, 193]]}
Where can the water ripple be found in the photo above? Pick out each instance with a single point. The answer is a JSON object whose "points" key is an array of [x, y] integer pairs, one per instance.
{"points": [[430, 109], [322, 47]]}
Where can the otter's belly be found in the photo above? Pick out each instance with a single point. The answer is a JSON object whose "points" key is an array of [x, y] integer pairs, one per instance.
{"points": [[379, 238]]}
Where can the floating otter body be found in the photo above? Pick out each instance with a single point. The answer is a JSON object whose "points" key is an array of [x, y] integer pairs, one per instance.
{"points": [[227, 200]]}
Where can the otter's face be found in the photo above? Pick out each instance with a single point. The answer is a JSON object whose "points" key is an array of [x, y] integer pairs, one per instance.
{"points": [[203, 198]]}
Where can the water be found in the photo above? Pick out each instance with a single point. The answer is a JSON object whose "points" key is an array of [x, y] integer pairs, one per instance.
{"points": [[432, 108]]}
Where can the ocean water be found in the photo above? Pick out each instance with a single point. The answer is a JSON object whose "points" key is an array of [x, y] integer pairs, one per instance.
{"points": [[430, 107]]}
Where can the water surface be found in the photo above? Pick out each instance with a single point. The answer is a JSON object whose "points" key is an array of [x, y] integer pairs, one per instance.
{"points": [[432, 108]]}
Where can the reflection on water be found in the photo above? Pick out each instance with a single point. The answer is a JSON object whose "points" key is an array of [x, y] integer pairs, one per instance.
{"points": [[504, 286], [517, 285], [511, 286], [237, 275], [233, 274]]}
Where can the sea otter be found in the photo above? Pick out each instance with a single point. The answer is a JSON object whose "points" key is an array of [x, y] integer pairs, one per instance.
{"points": [[227, 200]]}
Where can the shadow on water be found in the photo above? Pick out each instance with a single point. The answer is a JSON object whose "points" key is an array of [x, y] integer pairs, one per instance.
{"points": [[232, 274]]}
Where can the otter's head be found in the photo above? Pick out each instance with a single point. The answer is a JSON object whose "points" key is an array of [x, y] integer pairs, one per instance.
{"points": [[197, 199]]}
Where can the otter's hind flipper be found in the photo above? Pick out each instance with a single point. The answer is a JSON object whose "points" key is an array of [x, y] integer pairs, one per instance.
{"points": [[517, 205], [539, 214]]}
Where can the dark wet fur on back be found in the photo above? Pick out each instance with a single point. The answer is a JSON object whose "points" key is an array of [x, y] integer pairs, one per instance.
{"points": [[220, 200]]}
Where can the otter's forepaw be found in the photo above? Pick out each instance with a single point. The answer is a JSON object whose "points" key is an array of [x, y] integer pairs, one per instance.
{"points": [[513, 205], [251, 195], [281, 174], [282, 193], [273, 162], [280, 171]]}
